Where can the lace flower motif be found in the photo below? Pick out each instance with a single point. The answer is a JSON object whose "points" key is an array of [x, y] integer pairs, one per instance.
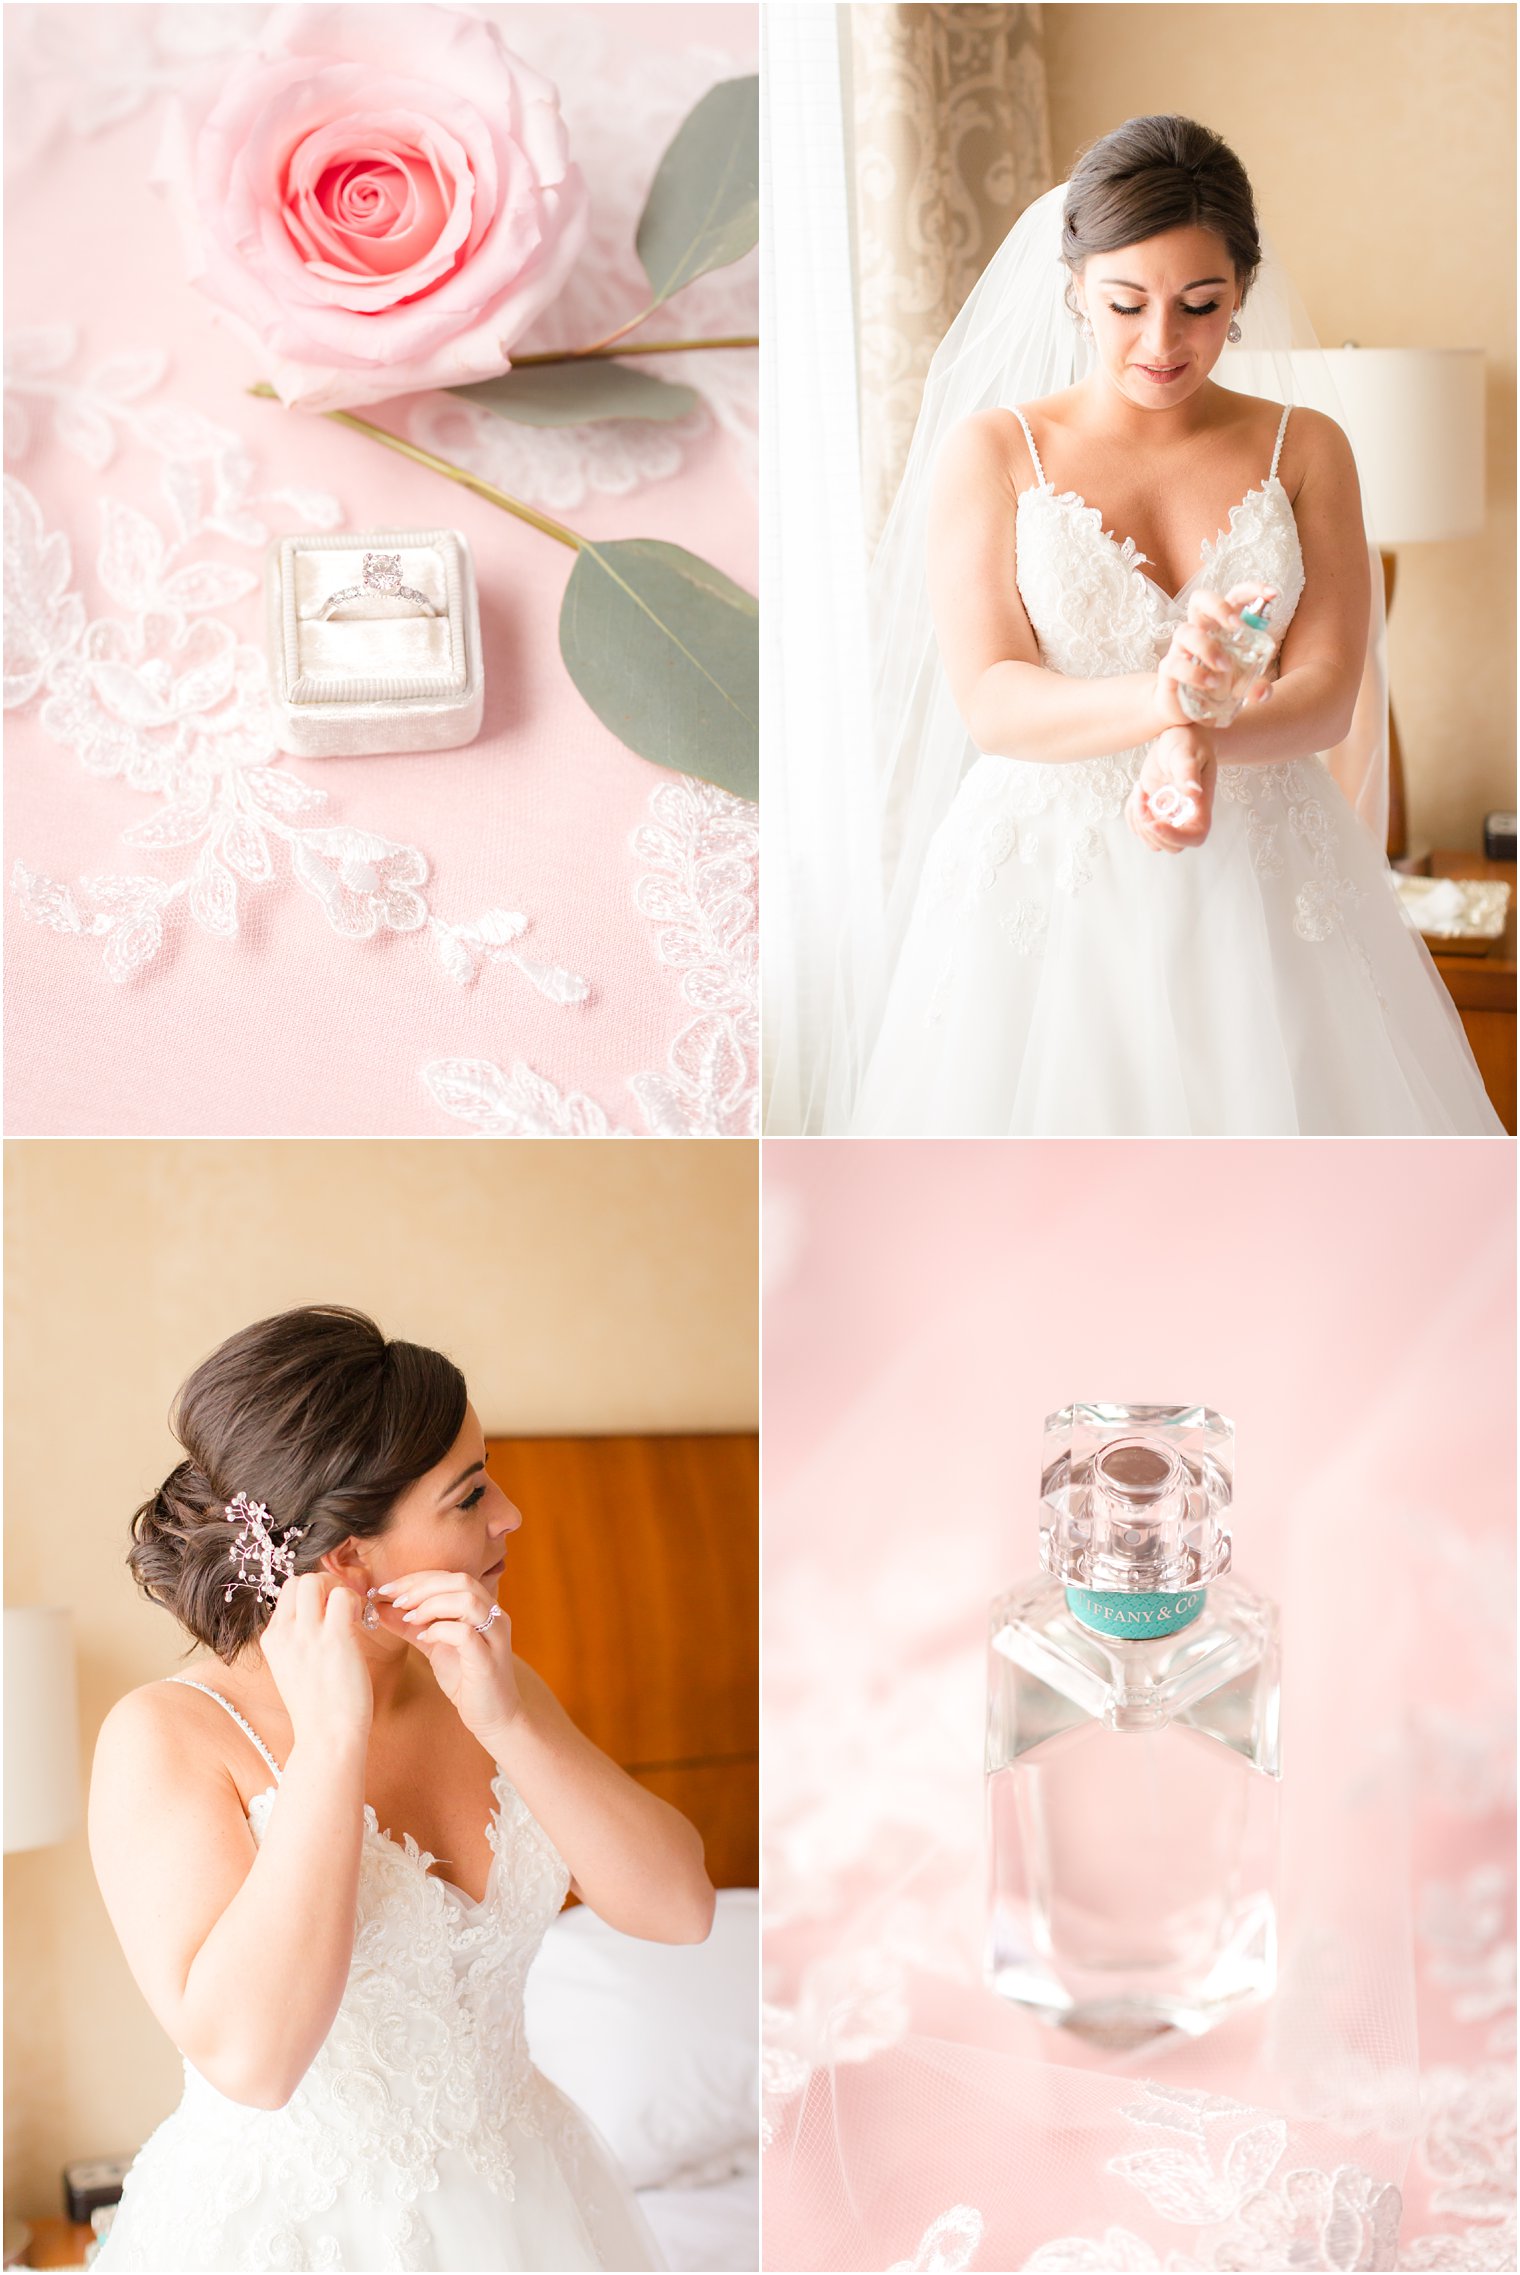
{"points": [[700, 850]]}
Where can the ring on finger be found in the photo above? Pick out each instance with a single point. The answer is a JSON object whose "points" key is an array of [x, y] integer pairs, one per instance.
{"points": [[480, 1625]]}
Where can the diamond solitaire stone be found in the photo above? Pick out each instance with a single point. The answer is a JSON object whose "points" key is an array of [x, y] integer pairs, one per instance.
{"points": [[382, 572]]}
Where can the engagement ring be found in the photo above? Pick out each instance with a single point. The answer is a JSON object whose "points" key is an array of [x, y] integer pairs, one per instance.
{"points": [[480, 1625], [382, 574]]}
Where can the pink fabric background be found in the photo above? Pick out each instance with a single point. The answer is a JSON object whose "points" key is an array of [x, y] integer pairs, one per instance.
{"points": [[1351, 1308], [287, 1028]]}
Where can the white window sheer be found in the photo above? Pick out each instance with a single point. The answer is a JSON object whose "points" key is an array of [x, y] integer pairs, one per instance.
{"points": [[820, 890]]}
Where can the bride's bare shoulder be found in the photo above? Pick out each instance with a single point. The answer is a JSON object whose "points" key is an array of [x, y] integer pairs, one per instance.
{"points": [[1315, 449], [984, 434], [1060, 413], [1313, 430], [989, 445], [1262, 414], [158, 1729]]}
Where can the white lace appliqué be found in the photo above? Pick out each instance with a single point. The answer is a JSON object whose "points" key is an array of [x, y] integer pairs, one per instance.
{"points": [[1468, 2137], [1467, 1928], [167, 699], [946, 2246], [133, 57], [700, 848], [1220, 2165]]}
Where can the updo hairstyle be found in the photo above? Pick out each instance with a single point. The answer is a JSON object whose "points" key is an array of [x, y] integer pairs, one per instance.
{"points": [[312, 1413], [1151, 175]]}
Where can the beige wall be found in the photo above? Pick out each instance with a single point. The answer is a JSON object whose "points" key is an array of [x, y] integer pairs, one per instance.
{"points": [[581, 1288], [1380, 141]]}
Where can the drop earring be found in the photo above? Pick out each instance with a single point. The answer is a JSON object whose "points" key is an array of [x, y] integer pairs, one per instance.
{"points": [[370, 1616], [1234, 335]]}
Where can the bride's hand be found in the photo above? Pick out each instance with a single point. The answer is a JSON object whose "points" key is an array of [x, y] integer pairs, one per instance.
{"points": [[311, 1647], [1171, 806], [1195, 657], [442, 1613]]}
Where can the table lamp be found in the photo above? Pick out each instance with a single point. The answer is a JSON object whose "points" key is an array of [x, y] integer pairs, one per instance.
{"points": [[41, 1729], [1415, 421], [41, 1756]]}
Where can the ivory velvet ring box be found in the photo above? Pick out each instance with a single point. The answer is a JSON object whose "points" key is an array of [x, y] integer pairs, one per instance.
{"points": [[374, 642]]}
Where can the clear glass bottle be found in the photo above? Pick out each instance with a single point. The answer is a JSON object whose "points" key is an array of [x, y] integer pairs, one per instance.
{"points": [[1132, 1740], [1250, 648]]}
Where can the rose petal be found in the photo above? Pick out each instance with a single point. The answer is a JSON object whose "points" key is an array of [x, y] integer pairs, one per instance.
{"points": [[369, 197], [374, 198], [428, 242], [258, 213]]}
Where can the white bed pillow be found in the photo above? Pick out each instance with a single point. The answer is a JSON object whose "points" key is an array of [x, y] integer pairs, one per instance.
{"points": [[657, 2042]]}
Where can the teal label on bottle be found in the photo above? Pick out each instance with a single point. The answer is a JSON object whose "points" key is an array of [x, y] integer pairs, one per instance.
{"points": [[1137, 1618]]}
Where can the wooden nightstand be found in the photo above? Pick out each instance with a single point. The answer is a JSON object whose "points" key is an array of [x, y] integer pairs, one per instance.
{"points": [[57, 2243], [1483, 987]]}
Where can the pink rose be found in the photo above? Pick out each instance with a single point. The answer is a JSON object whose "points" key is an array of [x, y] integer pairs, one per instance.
{"points": [[380, 198]]}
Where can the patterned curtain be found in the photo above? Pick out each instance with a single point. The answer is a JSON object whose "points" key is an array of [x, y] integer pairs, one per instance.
{"points": [[952, 141]]}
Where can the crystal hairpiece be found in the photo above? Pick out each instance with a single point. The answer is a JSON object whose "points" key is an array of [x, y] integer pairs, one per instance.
{"points": [[263, 1564]]}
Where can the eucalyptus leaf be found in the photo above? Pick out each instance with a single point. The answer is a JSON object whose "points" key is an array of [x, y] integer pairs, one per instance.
{"points": [[665, 649], [579, 394], [703, 209]]}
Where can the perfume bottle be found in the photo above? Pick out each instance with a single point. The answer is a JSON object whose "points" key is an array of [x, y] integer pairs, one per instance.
{"points": [[1132, 1740], [1250, 648], [1171, 803]]}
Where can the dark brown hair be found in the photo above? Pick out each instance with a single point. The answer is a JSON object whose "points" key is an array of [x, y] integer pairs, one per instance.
{"points": [[1154, 174], [312, 1413]]}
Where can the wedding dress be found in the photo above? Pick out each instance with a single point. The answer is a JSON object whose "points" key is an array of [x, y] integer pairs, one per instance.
{"points": [[421, 2136], [1057, 976]]}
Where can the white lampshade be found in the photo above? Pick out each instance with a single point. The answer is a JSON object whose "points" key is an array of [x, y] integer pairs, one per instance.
{"points": [[1415, 420], [41, 1729]]}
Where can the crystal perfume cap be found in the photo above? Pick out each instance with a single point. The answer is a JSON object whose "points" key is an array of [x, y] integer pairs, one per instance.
{"points": [[1134, 1497]]}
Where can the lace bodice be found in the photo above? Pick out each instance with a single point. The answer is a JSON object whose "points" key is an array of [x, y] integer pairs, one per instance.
{"points": [[427, 2053], [1094, 610]]}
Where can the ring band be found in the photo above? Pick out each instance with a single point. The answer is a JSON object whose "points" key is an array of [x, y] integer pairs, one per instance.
{"points": [[480, 1625], [382, 574]]}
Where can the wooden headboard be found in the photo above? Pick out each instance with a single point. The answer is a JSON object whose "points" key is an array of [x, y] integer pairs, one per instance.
{"points": [[633, 1588]]}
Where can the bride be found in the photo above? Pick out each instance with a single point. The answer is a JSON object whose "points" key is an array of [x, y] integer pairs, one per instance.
{"points": [[332, 1847], [1107, 917]]}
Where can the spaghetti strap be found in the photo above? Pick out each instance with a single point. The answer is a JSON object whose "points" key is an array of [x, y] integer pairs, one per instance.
{"points": [[1282, 425], [1029, 438], [191, 1684]]}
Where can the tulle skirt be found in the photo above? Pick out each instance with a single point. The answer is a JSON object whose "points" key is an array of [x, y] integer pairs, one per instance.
{"points": [[219, 2187], [1060, 978]]}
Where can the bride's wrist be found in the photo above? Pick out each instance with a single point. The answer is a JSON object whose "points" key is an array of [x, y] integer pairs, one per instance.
{"points": [[336, 1754], [1159, 712], [503, 1734]]}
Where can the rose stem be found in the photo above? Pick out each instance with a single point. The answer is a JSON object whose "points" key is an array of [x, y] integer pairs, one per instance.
{"points": [[476, 482], [639, 347]]}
